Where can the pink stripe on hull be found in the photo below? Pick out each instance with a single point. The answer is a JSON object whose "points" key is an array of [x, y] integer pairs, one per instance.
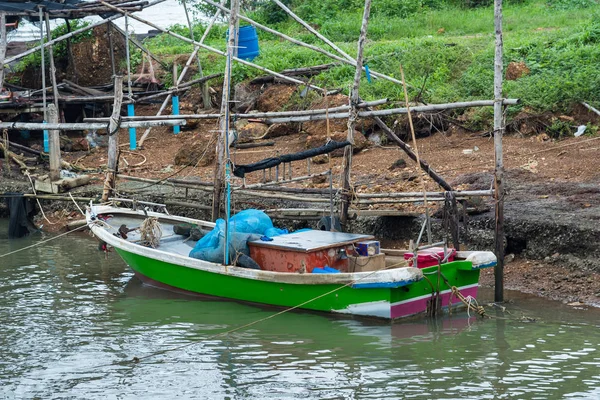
{"points": [[420, 305]]}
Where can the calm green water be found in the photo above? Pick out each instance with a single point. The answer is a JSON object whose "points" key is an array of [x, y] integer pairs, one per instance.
{"points": [[69, 317]]}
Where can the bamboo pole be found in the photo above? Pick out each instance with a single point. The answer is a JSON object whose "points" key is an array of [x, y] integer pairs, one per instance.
{"points": [[243, 116], [297, 179], [224, 121], [54, 144], [113, 141], [213, 50], [205, 94], [44, 89], [69, 35], [59, 38], [416, 149], [346, 60], [313, 30], [70, 51], [499, 170], [354, 99], [140, 46], [592, 109], [111, 47], [88, 126], [459, 194], [394, 111], [273, 196], [52, 66], [184, 72]]}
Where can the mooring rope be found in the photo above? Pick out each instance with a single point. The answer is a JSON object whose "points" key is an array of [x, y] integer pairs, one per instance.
{"points": [[217, 335]]}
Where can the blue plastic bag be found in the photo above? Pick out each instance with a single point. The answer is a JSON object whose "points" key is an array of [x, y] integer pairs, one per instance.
{"points": [[246, 225]]}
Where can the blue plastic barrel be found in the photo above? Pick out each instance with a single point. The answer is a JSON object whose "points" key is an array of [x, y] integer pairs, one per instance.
{"points": [[247, 43]]}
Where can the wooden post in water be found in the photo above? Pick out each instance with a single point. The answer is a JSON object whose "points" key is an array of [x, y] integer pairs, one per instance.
{"points": [[54, 144], [3, 45], [223, 123], [113, 141], [354, 100], [499, 170]]}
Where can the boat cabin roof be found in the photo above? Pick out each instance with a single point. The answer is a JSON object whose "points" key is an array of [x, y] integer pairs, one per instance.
{"points": [[309, 241]]}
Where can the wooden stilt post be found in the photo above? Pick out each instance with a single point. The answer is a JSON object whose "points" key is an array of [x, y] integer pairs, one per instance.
{"points": [[113, 141], [224, 123], [3, 45], [354, 100], [44, 94], [54, 144], [499, 170]]}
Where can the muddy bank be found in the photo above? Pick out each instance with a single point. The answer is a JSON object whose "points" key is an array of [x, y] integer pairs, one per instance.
{"points": [[570, 286]]}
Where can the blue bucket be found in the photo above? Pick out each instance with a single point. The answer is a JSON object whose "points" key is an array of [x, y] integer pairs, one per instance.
{"points": [[247, 43]]}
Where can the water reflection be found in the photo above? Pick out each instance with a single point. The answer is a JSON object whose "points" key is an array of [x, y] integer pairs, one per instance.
{"points": [[70, 317]]}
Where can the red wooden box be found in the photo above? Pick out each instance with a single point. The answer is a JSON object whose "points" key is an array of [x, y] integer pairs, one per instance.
{"points": [[304, 251], [429, 257]]}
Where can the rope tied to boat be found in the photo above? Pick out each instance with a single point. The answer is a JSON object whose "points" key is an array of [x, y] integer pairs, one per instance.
{"points": [[150, 232], [470, 302]]}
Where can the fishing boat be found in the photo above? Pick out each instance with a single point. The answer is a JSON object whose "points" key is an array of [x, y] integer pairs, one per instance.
{"points": [[312, 269]]}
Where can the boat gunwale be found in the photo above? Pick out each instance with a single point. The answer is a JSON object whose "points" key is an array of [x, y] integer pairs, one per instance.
{"points": [[402, 275]]}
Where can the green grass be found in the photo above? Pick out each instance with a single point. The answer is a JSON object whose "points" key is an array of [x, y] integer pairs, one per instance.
{"points": [[447, 53], [446, 49]]}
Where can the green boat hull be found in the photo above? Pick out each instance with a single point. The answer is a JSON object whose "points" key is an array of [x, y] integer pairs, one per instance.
{"points": [[384, 302]]}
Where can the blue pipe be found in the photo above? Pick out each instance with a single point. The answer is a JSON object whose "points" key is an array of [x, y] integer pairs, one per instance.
{"points": [[176, 112], [132, 132], [46, 141]]}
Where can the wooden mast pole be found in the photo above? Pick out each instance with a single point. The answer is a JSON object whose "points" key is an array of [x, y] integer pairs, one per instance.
{"points": [[499, 169], [354, 100], [224, 123]]}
